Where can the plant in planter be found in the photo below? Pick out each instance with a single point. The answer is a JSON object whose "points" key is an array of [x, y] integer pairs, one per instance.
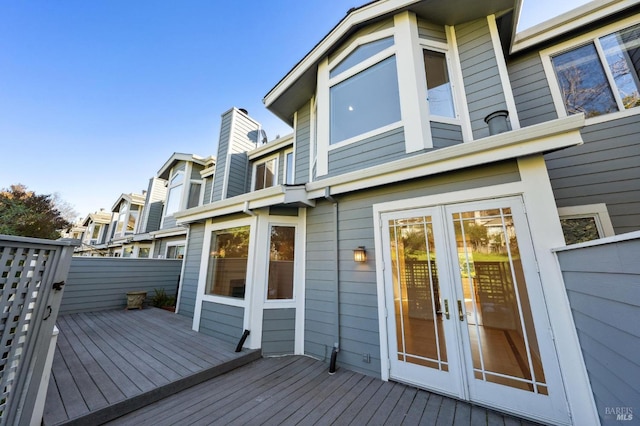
{"points": [[162, 300]]}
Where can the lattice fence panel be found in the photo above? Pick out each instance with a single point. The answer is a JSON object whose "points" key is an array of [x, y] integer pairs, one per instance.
{"points": [[22, 273]]}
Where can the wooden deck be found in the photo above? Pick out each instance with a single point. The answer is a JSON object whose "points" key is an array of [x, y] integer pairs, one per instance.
{"points": [[299, 390], [110, 363]]}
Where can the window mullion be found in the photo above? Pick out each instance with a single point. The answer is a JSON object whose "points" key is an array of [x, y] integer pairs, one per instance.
{"points": [[607, 72]]}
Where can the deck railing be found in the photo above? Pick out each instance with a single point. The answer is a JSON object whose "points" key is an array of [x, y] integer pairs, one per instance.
{"points": [[32, 275]]}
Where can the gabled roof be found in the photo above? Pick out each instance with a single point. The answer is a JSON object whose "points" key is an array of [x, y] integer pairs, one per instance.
{"points": [[138, 199], [298, 86], [579, 17], [164, 171], [102, 217]]}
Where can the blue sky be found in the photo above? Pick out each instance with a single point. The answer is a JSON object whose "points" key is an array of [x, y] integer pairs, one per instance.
{"points": [[96, 95]]}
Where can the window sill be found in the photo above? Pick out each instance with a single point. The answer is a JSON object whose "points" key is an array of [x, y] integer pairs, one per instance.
{"points": [[224, 300], [612, 116]]}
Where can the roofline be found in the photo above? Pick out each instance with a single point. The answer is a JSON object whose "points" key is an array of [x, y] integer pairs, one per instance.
{"points": [[354, 17], [566, 22], [180, 156]]}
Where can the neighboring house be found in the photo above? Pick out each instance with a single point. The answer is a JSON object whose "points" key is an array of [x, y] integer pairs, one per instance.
{"points": [[188, 180], [76, 232], [95, 236], [126, 216], [405, 228]]}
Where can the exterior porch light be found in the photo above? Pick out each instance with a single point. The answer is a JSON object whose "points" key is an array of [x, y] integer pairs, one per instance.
{"points": [[360, 254]]}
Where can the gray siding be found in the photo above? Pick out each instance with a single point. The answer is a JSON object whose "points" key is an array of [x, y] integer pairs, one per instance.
{"points": [[208, 187], [223, 150], [101, 283], [603, 286], [369, 152], [222, 321], [244, 136], [156, 194], [302, 147], [431, 31], [169, 222], [480, 73], [531, 90], [278, 331], [444, 135], [192, 261], [358, 297], [603, 170]]}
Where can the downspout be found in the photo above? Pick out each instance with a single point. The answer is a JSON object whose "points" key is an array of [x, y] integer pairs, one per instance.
{"points": [[336, 301]]}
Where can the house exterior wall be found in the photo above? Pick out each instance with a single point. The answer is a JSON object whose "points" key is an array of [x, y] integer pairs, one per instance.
{"points": [[222, 321], [482, 83], [152, 215], [278, 331], [603, 285], [223, 151], [191, 270], [302, 144], [358, 297]]}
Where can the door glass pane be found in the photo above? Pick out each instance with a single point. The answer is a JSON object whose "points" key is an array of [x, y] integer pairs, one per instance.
{"points": [[496, 305], [417, 303]]}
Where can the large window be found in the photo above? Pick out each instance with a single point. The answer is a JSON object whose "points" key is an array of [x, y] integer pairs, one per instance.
{"points": [[600, 76], [175, 194], [227, 268], [281, 262], [265, 174], [364, 94]]}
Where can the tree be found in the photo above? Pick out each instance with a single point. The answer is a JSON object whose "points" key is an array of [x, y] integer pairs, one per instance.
{"points": [[27, 214]]}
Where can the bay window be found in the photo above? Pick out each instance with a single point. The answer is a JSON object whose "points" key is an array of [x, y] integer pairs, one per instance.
{"points": [[227, 267]]}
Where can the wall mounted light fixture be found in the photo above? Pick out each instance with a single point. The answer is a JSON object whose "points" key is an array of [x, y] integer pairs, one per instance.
{"points": [[360, 254]]}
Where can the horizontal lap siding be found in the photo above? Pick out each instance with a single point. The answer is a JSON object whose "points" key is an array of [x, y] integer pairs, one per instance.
{"points": [[191, 272], [244, 135], [100, 283], [221, 163], [531, 90], [302, 145], [431, 31], [222, 321], [278, 331], [482, 84], [603, 170], [358, 296], [445, 135], [603, 287]]}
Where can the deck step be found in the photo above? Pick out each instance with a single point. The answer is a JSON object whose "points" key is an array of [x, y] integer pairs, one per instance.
{"points": [[136, 402]]}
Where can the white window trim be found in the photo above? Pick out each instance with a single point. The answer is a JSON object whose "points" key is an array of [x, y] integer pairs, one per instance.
{"points": [[591, 36], [170, 187], [201, 196], [458, 84], [443, 48], [275, 171], [174, 244], [597, 211]]}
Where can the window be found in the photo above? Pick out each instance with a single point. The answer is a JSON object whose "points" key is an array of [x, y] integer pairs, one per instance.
{"points": [[364, 94], [143, 252], [281, 262], [175, 194], [439, 93], [265, 174], [601, 76], [175, 251], [585, 223], [289, 173], [127, 251], [194, 194], [227, 268]]}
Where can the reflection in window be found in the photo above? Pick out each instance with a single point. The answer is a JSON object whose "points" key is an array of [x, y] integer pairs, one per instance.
{"points": [[579, 229], [281, 261], [265, 174], [289, 164], [194, 195], [584, 74], [144, 252], [364, 102], [360, 54], [175, 252], [438, 85], [227, 268]]}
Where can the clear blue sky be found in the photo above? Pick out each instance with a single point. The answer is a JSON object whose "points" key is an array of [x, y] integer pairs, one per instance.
{"points": [[96, 95]]}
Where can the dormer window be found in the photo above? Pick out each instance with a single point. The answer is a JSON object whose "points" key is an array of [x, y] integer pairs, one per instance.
{"points": [[363, 93], [174, 194]]}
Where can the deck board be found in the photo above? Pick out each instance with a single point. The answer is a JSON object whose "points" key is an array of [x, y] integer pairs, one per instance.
{"points": [[299, 390], [110, 363]]}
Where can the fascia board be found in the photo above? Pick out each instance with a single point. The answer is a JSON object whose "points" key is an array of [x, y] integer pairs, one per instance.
{"points": [[179, 156], [169, 232], [270, 147], [544, 137], [569, 21], [358, 16]]}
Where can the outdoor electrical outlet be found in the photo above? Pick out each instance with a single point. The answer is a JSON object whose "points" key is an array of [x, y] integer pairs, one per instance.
{"points": [[366, 358]]}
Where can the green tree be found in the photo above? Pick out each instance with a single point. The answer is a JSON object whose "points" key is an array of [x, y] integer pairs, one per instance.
{"points": [[27, 214]]}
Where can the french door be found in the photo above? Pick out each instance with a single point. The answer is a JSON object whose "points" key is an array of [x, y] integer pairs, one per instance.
{"points": [[465, 311]]}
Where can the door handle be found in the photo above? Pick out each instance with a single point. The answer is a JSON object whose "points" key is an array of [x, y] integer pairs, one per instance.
{"points": [[460, 313], [446, 308]]}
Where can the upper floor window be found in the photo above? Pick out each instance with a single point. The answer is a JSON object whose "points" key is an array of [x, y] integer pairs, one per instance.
{"points": [[174, 194], [264, 174], [195, 188], [363, 91], [227, 268], [281, 262], [599, 76], [439, 93], [289, 171]]}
